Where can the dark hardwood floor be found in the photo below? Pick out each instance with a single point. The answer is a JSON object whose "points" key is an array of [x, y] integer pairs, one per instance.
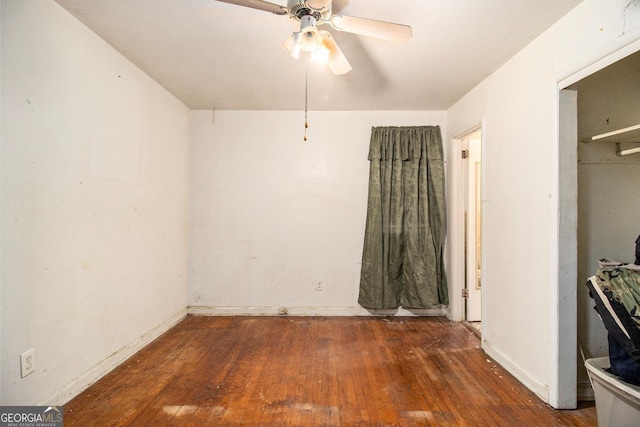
{"points": [[320, 371]]}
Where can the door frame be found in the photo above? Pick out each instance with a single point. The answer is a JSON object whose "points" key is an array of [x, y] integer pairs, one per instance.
{"points": [[563, 390], [456, 228], [473, 300]]}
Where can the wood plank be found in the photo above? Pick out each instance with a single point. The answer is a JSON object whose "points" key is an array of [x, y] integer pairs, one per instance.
{"points": [[301, 371]]}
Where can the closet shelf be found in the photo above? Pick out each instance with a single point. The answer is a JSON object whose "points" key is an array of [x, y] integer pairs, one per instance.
{"points": [[629, 134]]}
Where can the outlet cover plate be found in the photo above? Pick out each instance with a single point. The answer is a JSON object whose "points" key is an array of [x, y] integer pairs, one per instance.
{"points": [[27, 362]]}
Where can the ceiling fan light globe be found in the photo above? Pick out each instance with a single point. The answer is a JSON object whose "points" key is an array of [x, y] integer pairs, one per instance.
{"points": [[295, 53], [292, 45], [311, 40], [320, 55]]}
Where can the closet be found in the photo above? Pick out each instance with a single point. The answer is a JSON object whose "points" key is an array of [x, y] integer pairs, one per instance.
{"points": [[608, 188]]}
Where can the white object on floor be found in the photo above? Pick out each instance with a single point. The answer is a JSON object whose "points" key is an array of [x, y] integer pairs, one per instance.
{"points": [[617, 402]]}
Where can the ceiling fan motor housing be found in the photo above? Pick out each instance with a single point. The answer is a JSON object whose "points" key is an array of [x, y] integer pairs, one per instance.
{"points": [[300, 9]]}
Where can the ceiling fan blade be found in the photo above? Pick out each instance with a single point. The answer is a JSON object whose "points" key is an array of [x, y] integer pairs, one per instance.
{"points": [[337, 61], [260, 5], [398, 33], [319, 4]]}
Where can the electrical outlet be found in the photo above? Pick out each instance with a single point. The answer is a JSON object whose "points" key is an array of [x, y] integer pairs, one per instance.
{"points": [[319, 286], [27, 362]]}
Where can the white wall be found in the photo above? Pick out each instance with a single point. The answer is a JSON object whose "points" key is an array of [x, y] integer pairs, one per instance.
{"points": [[272, 215], [519, 106], [94, 204]]}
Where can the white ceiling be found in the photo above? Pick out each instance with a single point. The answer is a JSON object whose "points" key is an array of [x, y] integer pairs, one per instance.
{"points": [[212, 54]]}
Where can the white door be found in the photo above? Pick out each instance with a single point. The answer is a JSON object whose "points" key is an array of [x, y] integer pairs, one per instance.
{"points": [[473, 170]]}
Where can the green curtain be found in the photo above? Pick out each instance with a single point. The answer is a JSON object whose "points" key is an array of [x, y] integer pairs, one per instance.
{"points": [[402, 259]]}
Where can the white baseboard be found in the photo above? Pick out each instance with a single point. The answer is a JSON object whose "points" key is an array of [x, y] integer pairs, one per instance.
{"points": [[540, 389], [88, 378], [308, 311]]}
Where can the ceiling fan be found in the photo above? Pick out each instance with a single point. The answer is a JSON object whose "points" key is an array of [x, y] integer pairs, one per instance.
{"points": [[319, 43]]}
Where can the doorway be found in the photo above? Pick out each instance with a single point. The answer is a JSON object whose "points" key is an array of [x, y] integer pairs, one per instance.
{"points": [[472, 184], [606, 102], [608, 107]]}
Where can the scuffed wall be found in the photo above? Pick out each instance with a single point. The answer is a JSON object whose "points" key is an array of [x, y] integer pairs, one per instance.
{"points": [[94, 204], [273, 216]]}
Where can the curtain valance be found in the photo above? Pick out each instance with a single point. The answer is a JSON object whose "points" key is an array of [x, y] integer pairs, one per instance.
{"points": [[405, 143]]}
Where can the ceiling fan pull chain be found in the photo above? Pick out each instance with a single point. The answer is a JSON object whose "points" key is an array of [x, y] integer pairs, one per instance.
{"points": [[306, 102]]}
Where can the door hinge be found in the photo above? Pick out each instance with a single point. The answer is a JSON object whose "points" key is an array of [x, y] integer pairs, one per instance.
{"points": [[465, 154], [465, 293]]}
